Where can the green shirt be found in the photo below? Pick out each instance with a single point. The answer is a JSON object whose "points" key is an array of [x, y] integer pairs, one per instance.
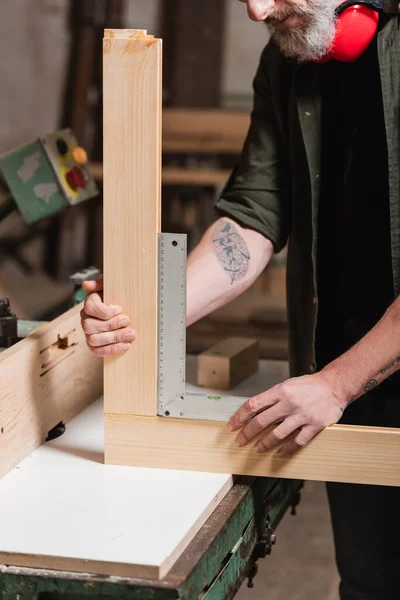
{"points": [[275, 188]]}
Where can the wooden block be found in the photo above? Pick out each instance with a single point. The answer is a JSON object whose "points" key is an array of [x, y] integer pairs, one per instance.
{"points": [[132, 210], [228, 363]]}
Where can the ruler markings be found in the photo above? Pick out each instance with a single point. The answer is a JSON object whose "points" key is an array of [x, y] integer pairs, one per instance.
{"points": [[173, 401], [172, 249]]}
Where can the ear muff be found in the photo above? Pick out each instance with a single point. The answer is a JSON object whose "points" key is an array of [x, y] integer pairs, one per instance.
{"points": [[356, 27]]}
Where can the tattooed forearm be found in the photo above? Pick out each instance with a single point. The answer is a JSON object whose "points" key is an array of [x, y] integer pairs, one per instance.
{"points": [[383, 373], [231, 250]]}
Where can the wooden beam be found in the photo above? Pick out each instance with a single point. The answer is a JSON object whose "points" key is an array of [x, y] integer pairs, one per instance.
{"points": [[132, 210], [204, 131], [343, 453], [46, 378]]}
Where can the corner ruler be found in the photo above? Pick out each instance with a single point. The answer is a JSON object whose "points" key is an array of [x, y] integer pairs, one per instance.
{"points": [[173, 400]]}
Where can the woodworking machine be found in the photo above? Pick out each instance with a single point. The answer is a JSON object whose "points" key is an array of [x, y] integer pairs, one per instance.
{"points": [[45, 176], [40, 179]]}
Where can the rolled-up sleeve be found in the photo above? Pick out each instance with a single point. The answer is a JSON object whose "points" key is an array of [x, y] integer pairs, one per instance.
{"points": [[257, 195]]}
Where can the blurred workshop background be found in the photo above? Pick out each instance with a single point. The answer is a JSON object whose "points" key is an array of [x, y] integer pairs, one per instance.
{"points": [[51, 80]]}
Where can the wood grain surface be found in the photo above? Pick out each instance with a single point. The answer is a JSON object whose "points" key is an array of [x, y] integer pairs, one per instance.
{"points": [[132, 206], [341, 453], [48, 377]]}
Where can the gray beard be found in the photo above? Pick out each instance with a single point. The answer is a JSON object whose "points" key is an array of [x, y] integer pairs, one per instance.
{"points": [[314, 39]]}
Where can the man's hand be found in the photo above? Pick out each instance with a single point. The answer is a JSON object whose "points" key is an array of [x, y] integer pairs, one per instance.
{"points": [[107, 329], [302, 406]]}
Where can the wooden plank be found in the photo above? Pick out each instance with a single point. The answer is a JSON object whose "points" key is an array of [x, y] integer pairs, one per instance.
{"points": [[132, 207], [122, 522], [47, 378], [195, 177], [227, 363], [342, 453]]}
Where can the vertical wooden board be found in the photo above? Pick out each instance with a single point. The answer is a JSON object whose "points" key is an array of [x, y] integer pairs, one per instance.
{"points": [[132, 210]]}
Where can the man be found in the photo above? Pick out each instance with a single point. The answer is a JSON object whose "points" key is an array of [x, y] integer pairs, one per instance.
{"points": [[319, 170]]}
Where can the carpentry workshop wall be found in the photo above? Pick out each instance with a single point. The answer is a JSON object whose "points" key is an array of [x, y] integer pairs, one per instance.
{"points": [[144, 15], [183, 431], [244, 41], [35, 40]]}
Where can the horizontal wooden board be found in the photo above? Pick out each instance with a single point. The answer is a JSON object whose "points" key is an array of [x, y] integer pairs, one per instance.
{"points": [[46, 378], [340, 453]]}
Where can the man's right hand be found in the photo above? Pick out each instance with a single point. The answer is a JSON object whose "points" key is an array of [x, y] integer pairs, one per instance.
{"points": [[107, 329]]}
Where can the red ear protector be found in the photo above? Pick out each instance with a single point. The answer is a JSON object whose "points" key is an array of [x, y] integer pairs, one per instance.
{"points": [[357, 24]]}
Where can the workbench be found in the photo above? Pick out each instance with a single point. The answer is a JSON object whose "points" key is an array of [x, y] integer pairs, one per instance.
{"points": [[58, 509]]}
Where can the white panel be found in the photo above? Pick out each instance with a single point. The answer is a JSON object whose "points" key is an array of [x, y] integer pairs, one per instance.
{"points": [[63, 502]]}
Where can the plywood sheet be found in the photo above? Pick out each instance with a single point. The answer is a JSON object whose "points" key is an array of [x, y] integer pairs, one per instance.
{"points": [[63, 509]]}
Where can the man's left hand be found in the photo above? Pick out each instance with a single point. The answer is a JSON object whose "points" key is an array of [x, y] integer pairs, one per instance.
{"points": [[302, 406]]}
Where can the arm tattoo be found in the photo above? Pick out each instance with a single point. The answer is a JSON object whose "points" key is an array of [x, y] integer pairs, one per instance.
{"points": [[370, 385], [231, 251], [391, 366], [383, 373]]}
